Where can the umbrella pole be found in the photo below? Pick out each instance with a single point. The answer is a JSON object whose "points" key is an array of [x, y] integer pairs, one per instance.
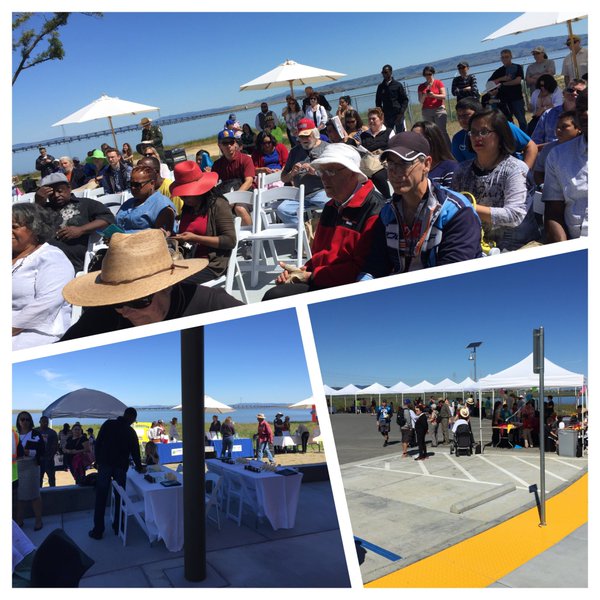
{"points": [[113, 133], [573, 56], [192, 407], [291, 82]]}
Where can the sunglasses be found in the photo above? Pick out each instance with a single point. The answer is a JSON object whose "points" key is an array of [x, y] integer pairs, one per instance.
{"points": [[138, 304], [24, 419], [148, 154], [571, 90], [427, 73], [139, 184]]}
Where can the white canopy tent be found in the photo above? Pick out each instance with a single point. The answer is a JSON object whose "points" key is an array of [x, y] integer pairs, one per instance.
{"points": [[446, 385], [348, 390], [424, 387], [375, 388]]}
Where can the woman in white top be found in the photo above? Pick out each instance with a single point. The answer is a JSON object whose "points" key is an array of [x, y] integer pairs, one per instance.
{"points": [[29, 449], [546, 95], [40, 314], [316, 112]]}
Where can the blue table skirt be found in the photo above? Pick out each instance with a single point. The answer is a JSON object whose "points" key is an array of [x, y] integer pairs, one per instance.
{"points": [[241, 447], [173, 453]]}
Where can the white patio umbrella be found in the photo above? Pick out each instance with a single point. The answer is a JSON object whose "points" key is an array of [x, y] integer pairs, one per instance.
{"points": [[308, 403], [105, 107], [211, 405], [535, 20], [289, 72]]}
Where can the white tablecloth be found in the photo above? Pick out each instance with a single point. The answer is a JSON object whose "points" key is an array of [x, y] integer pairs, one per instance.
{"points": [[163, 507], [277, 495], [287, 440]]}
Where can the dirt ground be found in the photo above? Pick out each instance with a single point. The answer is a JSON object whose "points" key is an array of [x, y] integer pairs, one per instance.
{"points": [[290, 458]]}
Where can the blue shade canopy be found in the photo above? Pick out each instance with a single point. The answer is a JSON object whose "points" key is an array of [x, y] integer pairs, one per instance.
{"points": [[85, 403]]}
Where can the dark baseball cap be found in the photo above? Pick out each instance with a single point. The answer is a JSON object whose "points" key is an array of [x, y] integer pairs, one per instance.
{"points": [[407, 145]]}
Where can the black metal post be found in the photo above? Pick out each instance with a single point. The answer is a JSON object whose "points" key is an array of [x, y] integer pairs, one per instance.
{"points": [[192, 402], [538, 367]]}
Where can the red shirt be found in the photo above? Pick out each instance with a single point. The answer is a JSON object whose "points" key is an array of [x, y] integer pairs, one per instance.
{"points": [[436, 88], [238, 168]]}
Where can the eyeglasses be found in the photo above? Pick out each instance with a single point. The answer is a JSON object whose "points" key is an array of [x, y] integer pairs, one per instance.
{"points": [[482, 133], [135, 185], [328, 172], [402, 168], [138, 304]]}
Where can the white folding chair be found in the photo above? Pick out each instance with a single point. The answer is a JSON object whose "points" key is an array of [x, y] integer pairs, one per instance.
{"points": [[213, 498], [264, 179], [29, 197], [233, 268], [129, 506], [265, 231], [95, 193], [111, 199]]}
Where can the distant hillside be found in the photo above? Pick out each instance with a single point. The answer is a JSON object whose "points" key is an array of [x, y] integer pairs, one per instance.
{"points": [[551, 44]]}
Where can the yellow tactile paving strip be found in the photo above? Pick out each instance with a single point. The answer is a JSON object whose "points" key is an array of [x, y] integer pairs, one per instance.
{"points": [[486, 557]]}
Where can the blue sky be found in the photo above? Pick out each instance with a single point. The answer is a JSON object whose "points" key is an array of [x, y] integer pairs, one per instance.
{"points": [[420, 331], [245, 361], [188, 62]]}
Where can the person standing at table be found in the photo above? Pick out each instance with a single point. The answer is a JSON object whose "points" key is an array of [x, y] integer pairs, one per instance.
{"points": [[304, 434], [173, 432], [228, 433], [116, 442], [265, 437]]}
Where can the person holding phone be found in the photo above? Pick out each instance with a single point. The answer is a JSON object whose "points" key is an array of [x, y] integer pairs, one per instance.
{"points": [[432, 96], [29, 450]]}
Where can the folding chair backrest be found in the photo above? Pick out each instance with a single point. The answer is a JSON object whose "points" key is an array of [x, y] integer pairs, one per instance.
{"points": [[95, 193], [243, 197], [264, 179], [109, 199], [237, 223], [29, 197]]}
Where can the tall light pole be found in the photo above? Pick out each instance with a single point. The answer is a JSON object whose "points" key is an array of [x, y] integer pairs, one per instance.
{"points": [[472, 347]]}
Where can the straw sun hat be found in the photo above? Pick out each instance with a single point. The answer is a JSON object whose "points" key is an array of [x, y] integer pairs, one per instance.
{"points": [[136, 265]]}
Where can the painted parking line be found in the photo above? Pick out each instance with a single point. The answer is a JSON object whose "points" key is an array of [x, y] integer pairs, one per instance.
{"points": [[450, 478], [378, 550], [564, 462], [537, 467], [505, 471], [460, 467], [471, 564]]}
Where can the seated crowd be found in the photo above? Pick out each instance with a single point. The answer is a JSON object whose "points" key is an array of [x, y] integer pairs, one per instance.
{"points": [[390, 201]]}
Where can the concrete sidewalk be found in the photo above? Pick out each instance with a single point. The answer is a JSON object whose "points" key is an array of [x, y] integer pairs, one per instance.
{"points": [[309, 555]]}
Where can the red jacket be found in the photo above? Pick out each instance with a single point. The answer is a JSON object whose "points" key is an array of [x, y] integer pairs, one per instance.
{"points": [[343, 238], [265, 433]]}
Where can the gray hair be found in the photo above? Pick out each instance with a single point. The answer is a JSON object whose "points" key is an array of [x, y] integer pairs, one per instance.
{"points": [[316, 133], [67, 158], [42, 222]]}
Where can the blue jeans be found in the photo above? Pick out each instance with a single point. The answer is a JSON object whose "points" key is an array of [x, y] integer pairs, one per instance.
{"points": [[103, 487], [516, 108], [287, 211], [264, 447], [227, 446]]}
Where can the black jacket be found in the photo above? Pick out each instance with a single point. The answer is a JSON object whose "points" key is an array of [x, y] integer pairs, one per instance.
{"points": [[392, 99], [116, 442]]}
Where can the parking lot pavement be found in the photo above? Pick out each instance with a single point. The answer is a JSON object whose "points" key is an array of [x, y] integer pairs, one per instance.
{"points": [[401, 508]]}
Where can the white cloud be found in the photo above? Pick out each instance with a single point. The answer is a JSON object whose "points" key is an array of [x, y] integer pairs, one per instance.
{"points": [[48, 375]]}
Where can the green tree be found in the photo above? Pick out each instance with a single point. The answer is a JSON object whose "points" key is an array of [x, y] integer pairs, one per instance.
{"points": [[27, 37]]}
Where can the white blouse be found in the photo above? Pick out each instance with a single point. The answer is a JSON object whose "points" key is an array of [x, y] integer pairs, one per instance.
{"points": [[38, 306]]}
